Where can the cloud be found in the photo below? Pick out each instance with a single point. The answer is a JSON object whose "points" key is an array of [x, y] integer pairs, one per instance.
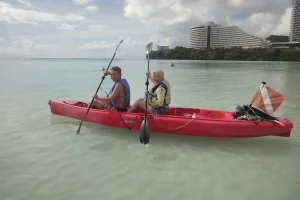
{"points": [[25, 2], [128, 42], [129, 48], [171, 19], [91, 8], [28, 29], [95, 46], [81, 2], [284, 23], [22, 47], [264, 23], [273, 6], [96, 27], [66, 27], [12, 15]]}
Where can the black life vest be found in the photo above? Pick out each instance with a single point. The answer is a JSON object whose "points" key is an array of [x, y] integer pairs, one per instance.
{"points": [[153, 91]]}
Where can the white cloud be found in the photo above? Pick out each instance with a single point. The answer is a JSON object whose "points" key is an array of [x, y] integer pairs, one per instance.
{"points": [[128, 42], [164, 41], [284, 23], [171, 19], [66, 27], [81, 2], [72, 17], [12, 15], [162, 22], [22, 47], [95, 46], [25, 2], [241, 4], [274, 6], [263, 22], [130, 47], [96, 26], [91, 8]]}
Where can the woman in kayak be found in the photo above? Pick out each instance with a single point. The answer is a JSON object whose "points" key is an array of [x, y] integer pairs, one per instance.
{"points": [[159, 96]]}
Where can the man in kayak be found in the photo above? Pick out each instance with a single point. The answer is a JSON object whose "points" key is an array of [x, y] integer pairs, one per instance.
{"points": [[119, 99], [159, 96]]}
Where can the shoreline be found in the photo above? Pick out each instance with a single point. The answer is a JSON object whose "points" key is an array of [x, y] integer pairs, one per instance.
{"points": [[231, 54]]}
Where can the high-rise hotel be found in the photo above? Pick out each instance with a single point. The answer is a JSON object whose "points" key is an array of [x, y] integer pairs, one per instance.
{"points": [[295, 22], [216, 36]]}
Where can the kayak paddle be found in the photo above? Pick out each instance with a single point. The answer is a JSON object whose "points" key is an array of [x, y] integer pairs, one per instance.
{"points": [[145, 130], [103, 77]]}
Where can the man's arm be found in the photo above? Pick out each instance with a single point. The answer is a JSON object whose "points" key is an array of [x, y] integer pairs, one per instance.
{"points": [[113, 95]]}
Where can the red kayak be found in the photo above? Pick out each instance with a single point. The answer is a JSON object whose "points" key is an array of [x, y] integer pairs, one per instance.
{"points": [[182, 121]]}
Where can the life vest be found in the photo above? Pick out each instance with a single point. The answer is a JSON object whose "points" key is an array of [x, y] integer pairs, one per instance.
{"points": [[166, 86], [126, 88]]}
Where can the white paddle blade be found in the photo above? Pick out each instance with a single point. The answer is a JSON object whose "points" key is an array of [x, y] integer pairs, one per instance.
{"points": [[149, 47]]}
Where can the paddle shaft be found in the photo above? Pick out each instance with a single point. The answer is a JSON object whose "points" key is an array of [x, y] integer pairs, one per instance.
{"points": [[147, 84], [102, 79], [144, 131]]}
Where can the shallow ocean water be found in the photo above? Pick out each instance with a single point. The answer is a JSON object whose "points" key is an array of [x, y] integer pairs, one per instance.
{"points": [[43, 158]]}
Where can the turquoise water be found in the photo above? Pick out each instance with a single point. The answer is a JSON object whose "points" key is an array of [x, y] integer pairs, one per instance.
{"points": [[41, 157]]}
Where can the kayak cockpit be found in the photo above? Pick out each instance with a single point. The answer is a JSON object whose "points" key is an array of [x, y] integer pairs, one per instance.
{"points": [[199, 113], [179, 112]]}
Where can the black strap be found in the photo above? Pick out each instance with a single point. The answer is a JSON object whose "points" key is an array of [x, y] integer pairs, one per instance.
{"points": [[164, 86]]}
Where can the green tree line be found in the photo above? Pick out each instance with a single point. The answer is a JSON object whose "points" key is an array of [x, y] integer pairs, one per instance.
{"points": [[235, 53]]}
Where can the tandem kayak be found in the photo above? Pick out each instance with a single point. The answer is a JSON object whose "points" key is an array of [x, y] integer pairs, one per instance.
{"points": [[180, 120]]}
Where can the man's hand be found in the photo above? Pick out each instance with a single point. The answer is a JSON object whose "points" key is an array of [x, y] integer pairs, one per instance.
{"points": [[96, 97], [148, 73], [106, 72]]}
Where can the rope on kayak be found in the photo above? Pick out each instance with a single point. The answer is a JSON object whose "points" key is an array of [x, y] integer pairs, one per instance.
{"points": [[173, 129], [129, 127], [155, 115]]}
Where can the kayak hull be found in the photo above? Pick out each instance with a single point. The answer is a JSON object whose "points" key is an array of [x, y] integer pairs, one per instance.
{"points": [[181, 121]]}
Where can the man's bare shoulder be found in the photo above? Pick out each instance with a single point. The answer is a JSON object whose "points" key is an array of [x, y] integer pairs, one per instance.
{"points": [[119, 87]]}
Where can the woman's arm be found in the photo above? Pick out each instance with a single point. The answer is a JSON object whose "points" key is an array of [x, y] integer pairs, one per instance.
{"points": [[150, 76]]}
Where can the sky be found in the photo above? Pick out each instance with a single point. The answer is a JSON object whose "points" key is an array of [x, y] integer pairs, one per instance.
{"points": [[93, 28]]}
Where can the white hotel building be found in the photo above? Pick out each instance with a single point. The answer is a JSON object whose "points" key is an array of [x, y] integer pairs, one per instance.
{"points": [[295, 22], [217, 36]]}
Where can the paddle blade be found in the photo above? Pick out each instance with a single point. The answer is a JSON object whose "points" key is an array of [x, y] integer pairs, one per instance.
{"points": [[145, 132], [149, 47]]}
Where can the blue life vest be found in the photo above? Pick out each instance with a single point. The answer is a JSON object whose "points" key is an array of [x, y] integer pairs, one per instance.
{"points": [[126, 88]]}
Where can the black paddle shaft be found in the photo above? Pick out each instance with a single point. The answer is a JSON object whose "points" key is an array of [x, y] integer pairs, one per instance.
{"points": [[102, 79], [147, 92], [145, 130]]}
